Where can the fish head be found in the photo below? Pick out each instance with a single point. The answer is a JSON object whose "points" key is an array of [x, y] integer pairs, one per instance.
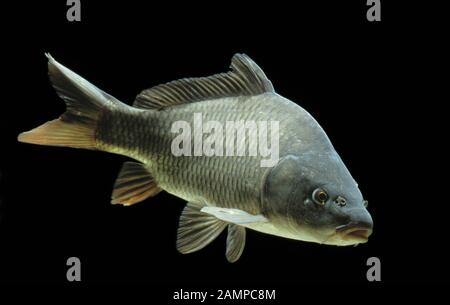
{"points": [[314, 198]]}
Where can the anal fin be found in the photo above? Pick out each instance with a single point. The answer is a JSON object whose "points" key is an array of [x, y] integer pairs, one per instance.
{"points": [[134, 184]]}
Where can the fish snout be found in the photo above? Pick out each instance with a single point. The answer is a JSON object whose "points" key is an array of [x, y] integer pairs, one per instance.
{"points": [[358, 229]]}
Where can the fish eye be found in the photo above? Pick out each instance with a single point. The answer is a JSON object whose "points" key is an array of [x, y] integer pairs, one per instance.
{"points": [[320, 196], [366, 203]]}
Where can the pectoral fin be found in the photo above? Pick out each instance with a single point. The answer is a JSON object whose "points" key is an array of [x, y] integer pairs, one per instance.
{"points": [[200, 225], [197, 229], [233, 215], [235, 242]]}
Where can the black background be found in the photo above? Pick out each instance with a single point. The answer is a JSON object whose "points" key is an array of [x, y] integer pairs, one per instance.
{"points": [[362, 81]]}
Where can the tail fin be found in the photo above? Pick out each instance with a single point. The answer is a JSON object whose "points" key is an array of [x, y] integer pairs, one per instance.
{"points": [[77, 126]]}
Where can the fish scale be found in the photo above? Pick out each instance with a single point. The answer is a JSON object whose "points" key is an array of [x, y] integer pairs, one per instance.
{"points": [[236, 186], [233, 192]]}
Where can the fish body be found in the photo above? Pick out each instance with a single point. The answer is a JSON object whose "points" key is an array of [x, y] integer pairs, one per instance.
{"points": [[307, 194]]}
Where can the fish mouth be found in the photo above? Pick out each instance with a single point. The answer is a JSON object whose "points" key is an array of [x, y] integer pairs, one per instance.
{"points": [[355, 232]]}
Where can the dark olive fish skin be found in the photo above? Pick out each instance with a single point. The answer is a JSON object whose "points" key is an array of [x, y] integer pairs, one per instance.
{"points": [[308, 195], [230, 182]]}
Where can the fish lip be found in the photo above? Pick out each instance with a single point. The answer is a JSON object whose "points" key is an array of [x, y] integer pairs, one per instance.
{"points": [[355, 231]]}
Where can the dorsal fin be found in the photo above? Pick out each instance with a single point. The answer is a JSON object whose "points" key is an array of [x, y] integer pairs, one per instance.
{"points": [[244, 79]]}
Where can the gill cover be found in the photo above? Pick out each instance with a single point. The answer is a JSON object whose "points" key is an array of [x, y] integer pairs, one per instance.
{"points": [[280, 186]]}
